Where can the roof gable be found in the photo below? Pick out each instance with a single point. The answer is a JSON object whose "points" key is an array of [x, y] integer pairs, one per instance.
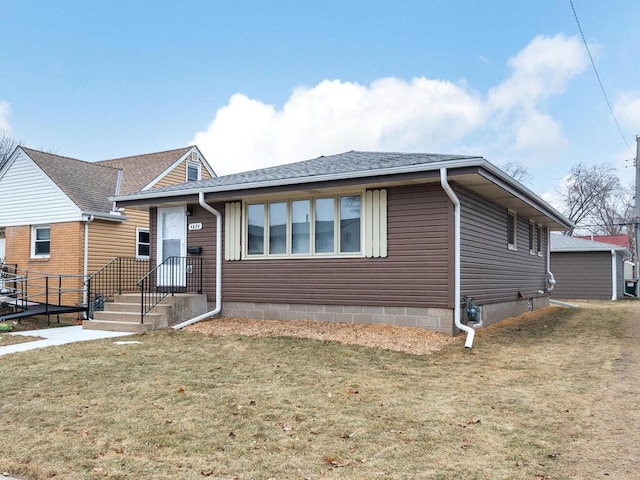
{"points": [[87, 184], [142, 172], [31, 197]]}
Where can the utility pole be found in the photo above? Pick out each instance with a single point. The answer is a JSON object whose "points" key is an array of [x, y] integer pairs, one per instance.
{"points": [[637, 216]]}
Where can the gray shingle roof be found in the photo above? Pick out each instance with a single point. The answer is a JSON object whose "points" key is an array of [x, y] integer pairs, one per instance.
{"points": [[139, 170], [344, 164], [564, 243], [87, 184], [90, 184]]}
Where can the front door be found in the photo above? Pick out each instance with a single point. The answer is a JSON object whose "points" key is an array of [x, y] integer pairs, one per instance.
{"points": [[172, 247]]}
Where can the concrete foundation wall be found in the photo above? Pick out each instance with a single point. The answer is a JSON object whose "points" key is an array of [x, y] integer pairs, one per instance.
{"points": [[437, 319], [494, 312]]}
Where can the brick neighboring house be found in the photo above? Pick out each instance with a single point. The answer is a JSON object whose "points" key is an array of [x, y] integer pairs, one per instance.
{"points": [[56, 216]]}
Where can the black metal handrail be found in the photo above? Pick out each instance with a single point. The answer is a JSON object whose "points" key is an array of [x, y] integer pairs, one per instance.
{"points": [[44, 294], [118, 276], [174, 275]]}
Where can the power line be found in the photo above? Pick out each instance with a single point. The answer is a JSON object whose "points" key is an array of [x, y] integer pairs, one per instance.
{"points": [[593, 64]]}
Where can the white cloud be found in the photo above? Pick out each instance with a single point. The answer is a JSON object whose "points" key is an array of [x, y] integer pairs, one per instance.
{"points": [[627, 110], [336, 116], [4, 115], [393, 114], [542, 69]]}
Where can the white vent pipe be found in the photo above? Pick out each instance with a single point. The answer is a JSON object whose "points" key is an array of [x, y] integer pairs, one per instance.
{"points": [[456, 259], [216, 310]]}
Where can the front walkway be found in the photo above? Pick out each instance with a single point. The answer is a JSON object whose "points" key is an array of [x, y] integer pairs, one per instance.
{"points": [[57, 336]]}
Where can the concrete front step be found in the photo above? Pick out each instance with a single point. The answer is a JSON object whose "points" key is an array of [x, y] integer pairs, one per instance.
{"points": [[126, 317], [115, 326], [123, 314], [130, 307]]}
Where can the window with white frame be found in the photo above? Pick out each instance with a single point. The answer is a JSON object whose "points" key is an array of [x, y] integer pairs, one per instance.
{"points": [[193, 171], [532, 237], [310, 226], [512, 230], [539, 240], [40, 241], [142, 243]]}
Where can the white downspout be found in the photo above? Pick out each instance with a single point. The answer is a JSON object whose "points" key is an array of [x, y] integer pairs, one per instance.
{"points": [[614, 276], [85, 266], [551, 282], [456, 259], [216, 310]]}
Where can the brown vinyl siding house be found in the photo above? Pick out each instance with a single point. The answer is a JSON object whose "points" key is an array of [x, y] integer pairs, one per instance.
{"points": [[585, 269], [57, 217], [367, 237]]}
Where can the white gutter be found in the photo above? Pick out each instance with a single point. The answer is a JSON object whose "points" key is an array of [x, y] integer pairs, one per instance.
{"points": [[216, 310], [614, 276], [456, 259]]}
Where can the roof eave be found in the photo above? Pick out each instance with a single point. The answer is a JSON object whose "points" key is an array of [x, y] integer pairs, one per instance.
{"points": [[458, 163], [517, 188]]}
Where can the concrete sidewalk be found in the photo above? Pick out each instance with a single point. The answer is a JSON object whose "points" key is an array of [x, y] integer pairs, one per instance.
{"points": [[57, 336]]}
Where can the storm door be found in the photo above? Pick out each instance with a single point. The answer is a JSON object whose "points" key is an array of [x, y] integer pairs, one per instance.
{"points": [[172, 247]]}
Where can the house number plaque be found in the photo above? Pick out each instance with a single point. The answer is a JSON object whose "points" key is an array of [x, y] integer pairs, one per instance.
{"points": [[195, 226]]}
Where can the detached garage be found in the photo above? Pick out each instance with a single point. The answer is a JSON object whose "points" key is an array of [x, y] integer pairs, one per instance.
{"points": [[587, 269]]}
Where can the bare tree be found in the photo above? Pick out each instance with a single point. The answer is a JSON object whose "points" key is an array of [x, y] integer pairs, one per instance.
{"points": [[7, 144], [516, 170], [592, 196], [613, 214]]}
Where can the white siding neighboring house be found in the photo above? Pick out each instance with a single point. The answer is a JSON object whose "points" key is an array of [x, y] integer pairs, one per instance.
{"points": [[31, 197], [56, 216]]}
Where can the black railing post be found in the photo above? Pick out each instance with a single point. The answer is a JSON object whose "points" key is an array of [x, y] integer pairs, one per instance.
{"points": [[142, 289], [119, 289], [46, 299], [87, 287]]}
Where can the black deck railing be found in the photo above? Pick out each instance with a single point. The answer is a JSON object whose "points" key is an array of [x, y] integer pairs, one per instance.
{"points": [[174, 275], [119, 276]]}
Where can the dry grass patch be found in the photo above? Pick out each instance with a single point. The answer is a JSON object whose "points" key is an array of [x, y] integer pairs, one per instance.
{"points": [[6, 339], [186, 405]]}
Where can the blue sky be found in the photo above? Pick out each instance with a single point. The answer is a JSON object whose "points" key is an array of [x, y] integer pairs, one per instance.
{"points": [[257, 83]]}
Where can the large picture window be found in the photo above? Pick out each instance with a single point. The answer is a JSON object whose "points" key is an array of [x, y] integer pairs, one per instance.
{"points": [[285, 228]]}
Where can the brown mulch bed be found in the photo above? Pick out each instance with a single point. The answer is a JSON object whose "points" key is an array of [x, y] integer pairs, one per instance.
{"points": [[413, 340]]}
